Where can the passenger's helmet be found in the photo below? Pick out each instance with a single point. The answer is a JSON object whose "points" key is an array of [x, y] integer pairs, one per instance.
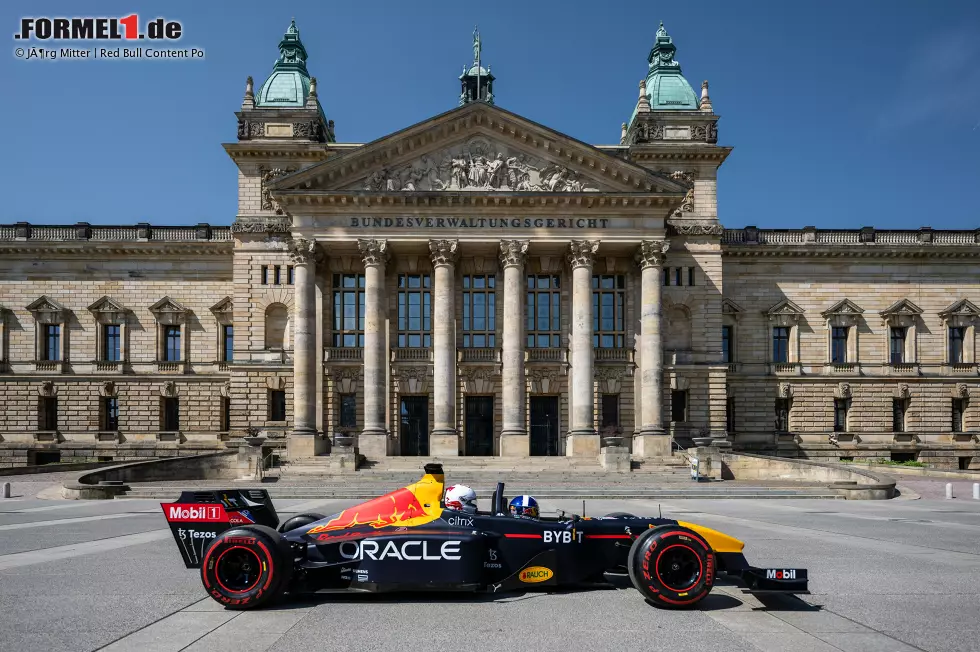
{"points": [[459, 496], [524, 506]]}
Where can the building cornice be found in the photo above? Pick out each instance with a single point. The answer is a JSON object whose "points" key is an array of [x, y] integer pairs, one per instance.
{"points": [[852, 243], [312, 152]]}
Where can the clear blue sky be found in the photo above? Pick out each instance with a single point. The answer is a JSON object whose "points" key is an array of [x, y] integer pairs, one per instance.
{"points": [[842, 114]]}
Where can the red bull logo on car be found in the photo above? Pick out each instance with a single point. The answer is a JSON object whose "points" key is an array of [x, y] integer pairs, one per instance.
{"points": [[397, 508]]}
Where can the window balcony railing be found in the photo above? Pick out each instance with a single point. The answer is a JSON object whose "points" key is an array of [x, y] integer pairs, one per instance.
{"points": [[478, 355], [546, 355], [56, 366], [842, 368], [613, 355], [343, 354], [109, 366], [732, 367], [961, 368], [420, 354], [169, 366], [902, 369], [785, 368]]}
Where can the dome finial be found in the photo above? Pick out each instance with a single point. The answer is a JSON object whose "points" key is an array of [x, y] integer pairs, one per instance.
{"points": [[643, 103], [705, 100], [477, 82]]}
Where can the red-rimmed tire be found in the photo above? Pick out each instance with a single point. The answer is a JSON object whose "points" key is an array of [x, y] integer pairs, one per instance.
{"points": [[246, 567], [672, 566]]}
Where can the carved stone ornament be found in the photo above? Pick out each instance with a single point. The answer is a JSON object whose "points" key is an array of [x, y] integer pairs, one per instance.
{"points": [[248, 129], [108, 388], [686, 177], [344, 373], [275, 382], [843, 390], [225, 390], [903, 391], [513, 253], [962, 390], [374, 252], [169, 390], [47, 388], [478, 164], [312, 130], [652, 253], [696, 229], [605, 372], [303, 251], [582, 253], [418, 373], [268, 176], [786, 390], [263, 226], [443, 251]]}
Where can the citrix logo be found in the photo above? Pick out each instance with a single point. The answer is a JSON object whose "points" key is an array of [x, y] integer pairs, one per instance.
{"points": [[408, 551], [460, 521]]}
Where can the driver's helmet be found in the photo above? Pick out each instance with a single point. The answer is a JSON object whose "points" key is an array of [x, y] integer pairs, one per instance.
{"points": [[524, 506], [461, 497]]}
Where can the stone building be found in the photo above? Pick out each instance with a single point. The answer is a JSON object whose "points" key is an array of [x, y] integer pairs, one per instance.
{"points": [[479, 284]]}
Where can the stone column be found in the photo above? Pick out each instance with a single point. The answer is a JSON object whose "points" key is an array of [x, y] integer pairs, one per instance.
{"points": [[582, 441], [514, 441], [652, 440], [373, 441], [444, 440], [303, 441]]}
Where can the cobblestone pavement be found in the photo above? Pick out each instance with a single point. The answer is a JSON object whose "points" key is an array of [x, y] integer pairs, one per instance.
{"points": [[889, 575]]}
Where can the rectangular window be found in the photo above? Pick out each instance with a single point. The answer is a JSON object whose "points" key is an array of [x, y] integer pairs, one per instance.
{"points": [[838, 344], [348, 310], [110, 413], [414, 311], [678, 405], [896, 352], [730, 414], [841, 407], [171, 343], [608, 311], [690, 276], [51, 346], [479, 312], [959, 407], [543, 312], [48, 413], [171, 414], [225, 414], [666, 274], [610, 410], [780, 344], [227, 342], [782, 415], [277, 405], [898, 414], [265, 275], [290, 278], [677, 276], [726, 343], [348, 411], [111, 342], [276, 279], [956, 335]]}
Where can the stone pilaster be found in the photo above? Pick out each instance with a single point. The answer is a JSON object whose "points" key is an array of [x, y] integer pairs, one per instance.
{"points": [[444, 440], [373, 440], [303, 441], [652, 440], [582, 438], [514, 441]]}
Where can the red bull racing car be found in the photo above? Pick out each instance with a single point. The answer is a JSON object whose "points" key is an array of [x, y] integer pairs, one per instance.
{"points": [[406, 541]]}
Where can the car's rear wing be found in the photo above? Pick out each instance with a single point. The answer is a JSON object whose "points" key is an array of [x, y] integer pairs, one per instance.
{"points": [[197, 517]]}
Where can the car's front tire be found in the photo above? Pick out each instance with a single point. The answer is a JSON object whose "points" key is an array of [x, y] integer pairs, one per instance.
{"points": [[246, 567], [672, 566]]}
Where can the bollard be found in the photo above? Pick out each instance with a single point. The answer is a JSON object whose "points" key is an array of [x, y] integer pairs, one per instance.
{"points": [[949, 490], [976, 491], [5, 490]]}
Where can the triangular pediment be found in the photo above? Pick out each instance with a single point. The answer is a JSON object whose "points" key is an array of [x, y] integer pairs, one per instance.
{"points": [[901, 307], [224, 307], [107, 304], [729, 307], [167, 305], [843, 307], [962, 308], [481, 148], [785, 307], [45, 303]]}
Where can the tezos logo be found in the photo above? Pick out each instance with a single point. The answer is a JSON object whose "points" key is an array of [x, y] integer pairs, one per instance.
{"points": [[773, 574], [97, 29], [408, 551], [195, 534], [202, 513], [460, 521], [536, 574]]}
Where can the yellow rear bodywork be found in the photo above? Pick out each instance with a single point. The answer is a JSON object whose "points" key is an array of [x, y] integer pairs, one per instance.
{"points": [[719, 542]]}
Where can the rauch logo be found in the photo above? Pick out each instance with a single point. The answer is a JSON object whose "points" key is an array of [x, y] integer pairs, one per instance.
{"points": [[536, 574], [198, 513]]}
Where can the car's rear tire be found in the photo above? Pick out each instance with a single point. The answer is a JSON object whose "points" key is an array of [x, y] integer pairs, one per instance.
{"points": [[300, 520], [672, 566], [619, 515], [246, 567]]}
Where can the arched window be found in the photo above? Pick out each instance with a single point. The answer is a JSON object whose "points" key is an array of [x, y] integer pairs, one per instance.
{"points": [[678, 332], [276, 326]]}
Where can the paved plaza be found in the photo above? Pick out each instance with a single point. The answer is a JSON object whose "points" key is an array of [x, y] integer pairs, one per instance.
{"points": [[886, 576]]}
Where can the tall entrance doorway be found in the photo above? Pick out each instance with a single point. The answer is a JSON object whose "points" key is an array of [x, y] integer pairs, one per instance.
{"points": [[479, 425], [544, 437], [414, 430]]}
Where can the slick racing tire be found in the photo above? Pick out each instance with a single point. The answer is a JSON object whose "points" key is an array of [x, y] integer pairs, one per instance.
{"points": [[300, 520], [672, 566], [246, 567]]}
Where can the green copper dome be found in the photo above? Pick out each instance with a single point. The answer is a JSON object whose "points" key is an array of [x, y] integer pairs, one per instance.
{"points": [[667, 89], [289, 83]]}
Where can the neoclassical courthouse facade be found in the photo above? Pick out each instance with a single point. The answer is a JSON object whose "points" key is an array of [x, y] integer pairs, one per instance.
{"points": [[479, 284]]}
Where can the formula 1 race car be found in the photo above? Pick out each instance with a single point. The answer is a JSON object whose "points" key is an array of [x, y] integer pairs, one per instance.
{"points": [[406, 541]]}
